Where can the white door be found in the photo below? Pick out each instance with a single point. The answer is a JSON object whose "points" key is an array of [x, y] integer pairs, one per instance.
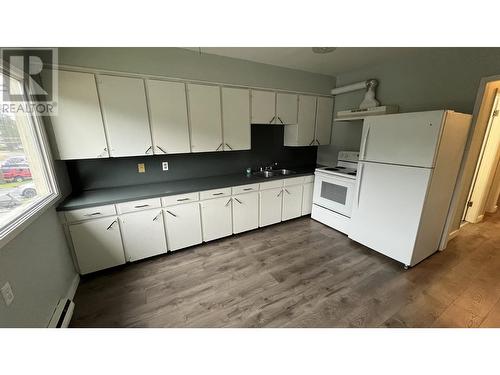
{"points": [[205, 115], [270, 204], [324, 117], [125, 112], [78, 129], [183, 224], [216, 218], [292, 202], [143, 234], [97, 244], [406, 138], [306, 120], [236, 118], [169, 117], [245, 212], [263, 107], [286, 108], [387, 208], [307, 197]]}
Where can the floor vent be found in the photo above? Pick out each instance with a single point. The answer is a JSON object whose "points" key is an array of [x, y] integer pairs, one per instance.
{"points": [[62, 314]]}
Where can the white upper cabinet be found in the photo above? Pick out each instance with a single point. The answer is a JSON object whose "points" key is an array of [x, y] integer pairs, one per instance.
{"points": [[286, 108], [263, 107], [78, 129], [205, 116], [236, 118], [124, 107], [169, 117], [302, 133], [324, 117]]}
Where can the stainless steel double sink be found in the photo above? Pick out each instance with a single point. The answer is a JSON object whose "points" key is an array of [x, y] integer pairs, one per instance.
{"points": [[274, 172]]}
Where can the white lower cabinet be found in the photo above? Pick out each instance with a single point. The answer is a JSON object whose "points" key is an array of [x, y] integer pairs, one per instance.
{"points": [[97, 244], [183, 225], [307, 198], [245, 212], [270, 206], [292, 202], [216, 218], [143, 234]]}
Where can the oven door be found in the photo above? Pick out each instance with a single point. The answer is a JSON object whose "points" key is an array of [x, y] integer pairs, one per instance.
{"points": [[334, 193]]}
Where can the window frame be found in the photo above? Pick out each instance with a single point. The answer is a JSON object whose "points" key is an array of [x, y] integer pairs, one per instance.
{"points": [[15, 226]]}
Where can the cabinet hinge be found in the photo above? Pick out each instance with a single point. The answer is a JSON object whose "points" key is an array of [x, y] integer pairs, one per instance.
{"points": [[469, 204]]}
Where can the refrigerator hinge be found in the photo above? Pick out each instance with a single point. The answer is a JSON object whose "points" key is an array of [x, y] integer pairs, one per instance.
{"points": [[469, 204]]}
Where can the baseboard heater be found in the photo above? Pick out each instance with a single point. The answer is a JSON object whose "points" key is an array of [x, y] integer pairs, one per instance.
{"points": [[62, 314]]}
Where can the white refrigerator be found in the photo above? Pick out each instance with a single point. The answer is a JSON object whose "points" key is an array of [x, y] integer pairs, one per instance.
{"points": [[407, 172]]}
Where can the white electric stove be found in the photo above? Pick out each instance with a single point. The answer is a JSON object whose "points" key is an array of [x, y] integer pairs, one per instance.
{"points": [[334, 188]]}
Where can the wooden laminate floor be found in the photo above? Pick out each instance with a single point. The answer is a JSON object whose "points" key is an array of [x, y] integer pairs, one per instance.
{"points": [[300, 274]]}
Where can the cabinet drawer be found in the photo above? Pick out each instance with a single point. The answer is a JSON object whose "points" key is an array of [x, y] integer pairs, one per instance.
{"points": [[293, 181], [215, 193], [245, 188], [271, 184], [143, 204], [180, 198], [308, 179], [90, 213]]}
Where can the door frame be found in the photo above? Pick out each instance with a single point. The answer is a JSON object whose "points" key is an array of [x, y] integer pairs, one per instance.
{"points": [[482, 108]]}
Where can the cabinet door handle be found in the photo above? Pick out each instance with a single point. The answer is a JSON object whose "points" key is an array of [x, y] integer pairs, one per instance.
{"points": [[157, 216], [229, 201], [282, 123], [246, 189], [237, 200], [149, 148], [287, 191], [142, 205], [319, 144], [182, 199], [102, 153], [171, 213], [111, 225], [311, 142], [217, 193], [229, 147], [272, 120], [93, 214], [217, 149], [281, 192], [162, 150]]}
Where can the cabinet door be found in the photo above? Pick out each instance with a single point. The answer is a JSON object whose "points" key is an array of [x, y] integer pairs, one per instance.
{"points": [[245, 212], [123, 102], [97, 244], [270, 205], [216, 218], [183, 224], [169, 117], [307, 197], [302, 134], [205, 115], [292, 202], [236, 118], [324, 117], [286, 108], [143, 234], [78, 129], [263, 107]]}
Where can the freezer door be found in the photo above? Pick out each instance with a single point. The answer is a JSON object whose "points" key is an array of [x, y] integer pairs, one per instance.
{"points": [[387, 208], [404, 139]]}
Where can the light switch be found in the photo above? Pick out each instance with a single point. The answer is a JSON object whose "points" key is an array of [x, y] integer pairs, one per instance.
{"points": [[7, 293], [141, 168]]}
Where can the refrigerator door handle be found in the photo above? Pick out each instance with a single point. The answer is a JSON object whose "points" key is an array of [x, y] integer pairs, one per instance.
{"points": [[365, 142], [358, 186]]}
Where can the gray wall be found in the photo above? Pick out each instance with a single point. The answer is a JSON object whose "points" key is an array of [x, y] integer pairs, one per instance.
{"points": [[439, 78], [40, 270], [187, 64]]}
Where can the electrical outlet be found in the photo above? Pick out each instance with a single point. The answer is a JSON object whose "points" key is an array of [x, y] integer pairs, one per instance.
{"points": [[141, 168], [164, 165], [7, 293]]}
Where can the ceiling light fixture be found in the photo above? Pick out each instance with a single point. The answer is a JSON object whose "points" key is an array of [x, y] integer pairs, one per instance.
{"points": [[323, 50]]}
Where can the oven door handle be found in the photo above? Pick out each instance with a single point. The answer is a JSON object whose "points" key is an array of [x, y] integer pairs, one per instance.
{"points": [[358, 182]]}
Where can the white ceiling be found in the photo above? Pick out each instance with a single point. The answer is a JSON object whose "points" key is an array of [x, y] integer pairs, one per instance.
{"points": [[342, 60]]}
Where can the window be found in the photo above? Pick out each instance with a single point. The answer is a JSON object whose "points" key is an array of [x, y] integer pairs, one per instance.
{"points": [[27, 183]]}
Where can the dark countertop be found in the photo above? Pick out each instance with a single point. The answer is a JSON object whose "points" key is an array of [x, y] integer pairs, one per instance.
{"points": [[98, 197]]}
